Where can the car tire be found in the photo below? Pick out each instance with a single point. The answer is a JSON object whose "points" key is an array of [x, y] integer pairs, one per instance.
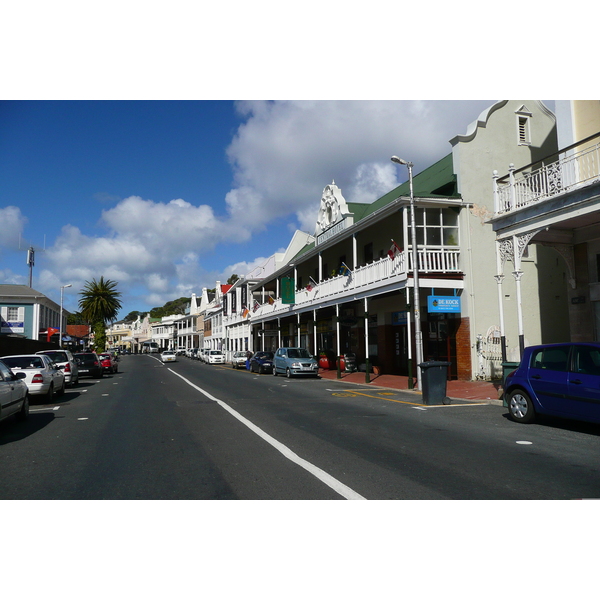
{"points": [[50, 394], [520, 407], [288, 373], [23, 414], [62, 389], [274, 371]]}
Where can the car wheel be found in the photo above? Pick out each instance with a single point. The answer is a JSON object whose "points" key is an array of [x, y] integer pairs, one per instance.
{"points": [[288, 373], [24, 412], [62, 389], [274, 371], [520, 407], [50, 394]]}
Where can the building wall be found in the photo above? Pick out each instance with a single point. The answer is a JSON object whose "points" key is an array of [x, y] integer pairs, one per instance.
{"points": [[493, 145]]}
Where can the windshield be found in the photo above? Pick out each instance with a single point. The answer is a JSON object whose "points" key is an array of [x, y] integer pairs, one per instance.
{"points": [[24, 362], [298, 353]]}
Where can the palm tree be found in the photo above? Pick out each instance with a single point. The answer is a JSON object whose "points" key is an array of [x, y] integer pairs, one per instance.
{"points": [[99, 304]]}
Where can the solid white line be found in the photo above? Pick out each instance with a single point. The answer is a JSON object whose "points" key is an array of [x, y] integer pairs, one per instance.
{"points": [[334, 484]]}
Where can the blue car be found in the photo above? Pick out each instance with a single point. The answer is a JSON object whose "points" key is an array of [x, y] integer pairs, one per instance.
{"points": [[562, 380], [262, 362]]}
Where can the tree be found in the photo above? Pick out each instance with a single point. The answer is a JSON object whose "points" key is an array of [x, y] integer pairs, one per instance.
{"points": [[232, 279], [99, 304]]}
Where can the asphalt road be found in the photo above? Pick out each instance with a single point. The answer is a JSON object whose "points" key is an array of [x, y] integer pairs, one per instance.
{"points": [[186, 430]]}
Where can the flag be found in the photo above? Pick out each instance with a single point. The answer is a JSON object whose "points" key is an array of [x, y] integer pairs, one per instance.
{"points": [[256, 305], [394, 250], [245, 313], [270, 300], [344, 270], [311, 281]]}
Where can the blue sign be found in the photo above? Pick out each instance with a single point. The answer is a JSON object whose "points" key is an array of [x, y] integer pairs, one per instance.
{"points": [[443, 304]]}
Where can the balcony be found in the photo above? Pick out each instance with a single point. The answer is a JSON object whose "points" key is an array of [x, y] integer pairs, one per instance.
{"points": [[576, 167], [380, 276]]}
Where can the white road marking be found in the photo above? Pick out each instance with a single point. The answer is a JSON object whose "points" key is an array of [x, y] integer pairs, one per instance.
{"points": [[418, 408], [105, 394], [334, 484], [82, 419], [43, 409], [525, 443]]}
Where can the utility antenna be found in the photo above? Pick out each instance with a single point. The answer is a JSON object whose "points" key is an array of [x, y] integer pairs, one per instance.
{"points": [[31, 259]]}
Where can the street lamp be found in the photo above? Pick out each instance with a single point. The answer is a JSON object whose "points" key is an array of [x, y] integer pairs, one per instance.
{"points": [[60, 323], [415, 261]]}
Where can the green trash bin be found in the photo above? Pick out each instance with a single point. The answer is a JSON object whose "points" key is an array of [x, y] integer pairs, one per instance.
{"points": [[507, 367], [434, 374]]}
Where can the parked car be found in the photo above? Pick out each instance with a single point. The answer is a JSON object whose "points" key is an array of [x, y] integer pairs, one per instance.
{"points": [[201, 355], [294, 361], [180, 351], [66, 361], [168, 356], [109, 362], [238, 360], [89, 364], [261, 362], [214, 357], [562, 380], [14, 394], [42, 376]]}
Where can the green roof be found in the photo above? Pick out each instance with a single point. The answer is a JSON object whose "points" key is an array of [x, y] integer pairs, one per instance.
{"points": [[437, 181]]}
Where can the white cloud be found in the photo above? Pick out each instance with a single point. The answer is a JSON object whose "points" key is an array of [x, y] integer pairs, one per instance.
{"points": [[13, 223], [282, 157]]}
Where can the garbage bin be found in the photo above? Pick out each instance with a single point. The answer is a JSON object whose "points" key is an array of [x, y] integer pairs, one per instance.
{"points": [[434, 374], [507, 367]]}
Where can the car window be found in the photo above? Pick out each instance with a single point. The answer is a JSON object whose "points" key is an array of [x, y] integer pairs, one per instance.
{"points": [[5, 372], [552, 359], [586, 360]]}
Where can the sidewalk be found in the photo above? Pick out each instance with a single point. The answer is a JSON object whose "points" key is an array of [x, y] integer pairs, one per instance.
{"points": [[482, 391]]}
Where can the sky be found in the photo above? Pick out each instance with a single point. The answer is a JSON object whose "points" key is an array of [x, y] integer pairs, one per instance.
{"points": [[168, 197]]}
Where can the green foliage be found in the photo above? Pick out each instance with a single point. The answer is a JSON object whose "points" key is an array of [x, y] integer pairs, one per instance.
{"points": [[99, 301], [173, 307], [232, 279]]}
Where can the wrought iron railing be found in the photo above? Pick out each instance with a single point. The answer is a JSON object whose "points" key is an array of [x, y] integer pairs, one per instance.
{"points": [[576, 166]]}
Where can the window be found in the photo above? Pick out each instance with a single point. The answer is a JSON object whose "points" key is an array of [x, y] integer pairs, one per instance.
{"points": [[553, 359], [587, 360], [13, 313], [437, 227], [368, 252]]}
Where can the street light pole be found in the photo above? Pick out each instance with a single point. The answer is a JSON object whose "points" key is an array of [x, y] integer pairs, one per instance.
{"points": [[415, 261], [60, 322]]}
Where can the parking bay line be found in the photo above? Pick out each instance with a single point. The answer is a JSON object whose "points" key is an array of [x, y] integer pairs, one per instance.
{"points": [[342, 489], [381, 397]]}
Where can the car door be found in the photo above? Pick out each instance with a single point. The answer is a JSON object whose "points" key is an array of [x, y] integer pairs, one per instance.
{"points": [[9, 392], [280, 357], [584, 383], [548, 371]]}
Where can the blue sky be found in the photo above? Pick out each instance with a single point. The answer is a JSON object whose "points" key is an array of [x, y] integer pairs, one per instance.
{"points": [[167, 197]]}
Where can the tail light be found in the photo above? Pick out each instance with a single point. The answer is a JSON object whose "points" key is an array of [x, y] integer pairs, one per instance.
{"points": [[37, 379], [67, 368]]}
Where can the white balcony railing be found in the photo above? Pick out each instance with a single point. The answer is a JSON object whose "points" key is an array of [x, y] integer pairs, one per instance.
{"points": [[379, 273], [574, 168]]}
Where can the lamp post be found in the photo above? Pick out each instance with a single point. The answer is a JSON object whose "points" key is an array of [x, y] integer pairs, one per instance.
{"points": [[60, 323], [415, 261]]}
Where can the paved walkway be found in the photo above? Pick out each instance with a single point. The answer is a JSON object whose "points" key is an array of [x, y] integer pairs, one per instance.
{"points": [[484, 391]]}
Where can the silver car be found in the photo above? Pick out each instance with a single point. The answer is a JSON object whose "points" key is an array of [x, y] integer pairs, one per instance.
{"points": [[42, 376], [14, 396], [295, 361], [64, 359]]}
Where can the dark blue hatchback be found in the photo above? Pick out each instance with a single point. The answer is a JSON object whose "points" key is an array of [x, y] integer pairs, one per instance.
{"points": [[562, 380]]}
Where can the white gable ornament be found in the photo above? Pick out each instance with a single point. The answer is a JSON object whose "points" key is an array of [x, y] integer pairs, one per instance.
{"points": [[334, 215]]}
